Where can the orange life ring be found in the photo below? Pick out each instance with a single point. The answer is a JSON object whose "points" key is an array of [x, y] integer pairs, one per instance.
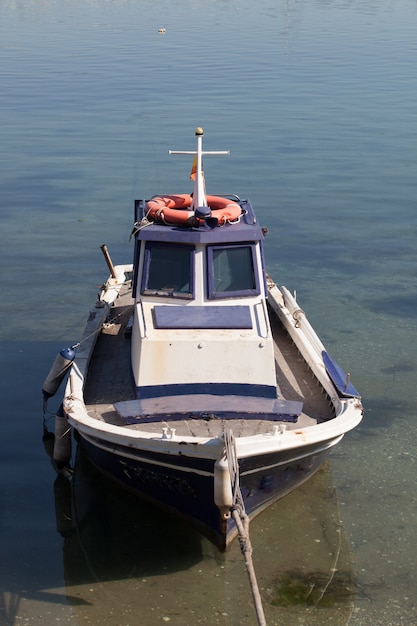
{"points": [[173, 209]]}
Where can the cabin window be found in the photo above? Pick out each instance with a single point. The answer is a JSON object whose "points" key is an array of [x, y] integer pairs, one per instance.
{"points": [[168, 270], [232, 271]]}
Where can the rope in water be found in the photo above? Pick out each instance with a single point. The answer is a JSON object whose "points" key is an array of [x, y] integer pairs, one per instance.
{"points": [[242, 522]]}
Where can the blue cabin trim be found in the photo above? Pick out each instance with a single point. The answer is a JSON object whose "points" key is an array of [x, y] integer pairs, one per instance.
{"points": [[216, 389]]}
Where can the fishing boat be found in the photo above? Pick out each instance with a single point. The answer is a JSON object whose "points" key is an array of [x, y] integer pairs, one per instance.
{"points": [[198, 383]]}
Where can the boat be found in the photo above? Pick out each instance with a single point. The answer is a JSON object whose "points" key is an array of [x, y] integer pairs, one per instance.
{"points": [[198, 383]]}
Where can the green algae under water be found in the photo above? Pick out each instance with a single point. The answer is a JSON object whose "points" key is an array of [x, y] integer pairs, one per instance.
{"points": [[313, 589]]}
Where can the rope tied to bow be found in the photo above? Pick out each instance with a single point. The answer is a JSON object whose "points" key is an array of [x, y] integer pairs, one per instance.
{"points": [[241, 520]]}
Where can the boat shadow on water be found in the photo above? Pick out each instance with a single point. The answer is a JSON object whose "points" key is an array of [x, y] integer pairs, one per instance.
{"points": [[110, 534], [116, 546]]}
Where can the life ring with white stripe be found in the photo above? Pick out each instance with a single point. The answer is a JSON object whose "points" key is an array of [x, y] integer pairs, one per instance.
{"points": [[173, 209]]}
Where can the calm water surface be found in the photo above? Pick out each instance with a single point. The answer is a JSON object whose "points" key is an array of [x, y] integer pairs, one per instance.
{"points": [[316, 102]]}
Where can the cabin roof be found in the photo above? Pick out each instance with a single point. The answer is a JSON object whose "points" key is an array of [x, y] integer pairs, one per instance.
{"points": [[247, 229]]}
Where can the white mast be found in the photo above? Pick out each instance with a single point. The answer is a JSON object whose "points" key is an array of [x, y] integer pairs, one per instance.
{"points": [[199, 195]]}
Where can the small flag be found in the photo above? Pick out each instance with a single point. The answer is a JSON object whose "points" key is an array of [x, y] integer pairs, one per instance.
{"points": [[194, 169]]}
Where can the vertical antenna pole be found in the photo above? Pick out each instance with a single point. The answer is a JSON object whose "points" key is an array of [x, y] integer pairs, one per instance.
{"points": [[199, 195]]}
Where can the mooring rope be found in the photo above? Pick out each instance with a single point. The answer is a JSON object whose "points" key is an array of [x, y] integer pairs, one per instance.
{"points": [[110, 320], [242, 522]]}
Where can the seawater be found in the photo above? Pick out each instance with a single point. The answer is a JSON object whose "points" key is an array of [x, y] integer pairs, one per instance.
{"points": [[316, 102]]}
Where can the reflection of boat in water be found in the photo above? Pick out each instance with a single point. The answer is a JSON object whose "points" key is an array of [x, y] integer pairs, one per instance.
{"points": [[116, 535], [116, 546], [234, 401]]}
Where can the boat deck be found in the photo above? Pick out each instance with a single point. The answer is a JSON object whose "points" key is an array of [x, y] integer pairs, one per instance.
{"points": [[109, 381]]}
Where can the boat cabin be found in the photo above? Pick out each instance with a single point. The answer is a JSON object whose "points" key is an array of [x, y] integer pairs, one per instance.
{"points": [[200, 308]]}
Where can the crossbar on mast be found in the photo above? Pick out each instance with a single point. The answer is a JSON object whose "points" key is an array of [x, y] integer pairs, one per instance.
{"points": [[199, 194]]}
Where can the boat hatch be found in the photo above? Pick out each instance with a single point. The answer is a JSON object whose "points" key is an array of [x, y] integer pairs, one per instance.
{"points": [[202, 317]]}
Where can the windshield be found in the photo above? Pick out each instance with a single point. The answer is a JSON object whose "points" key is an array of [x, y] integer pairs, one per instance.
{"points": [[232, 271], [168, 270]]}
